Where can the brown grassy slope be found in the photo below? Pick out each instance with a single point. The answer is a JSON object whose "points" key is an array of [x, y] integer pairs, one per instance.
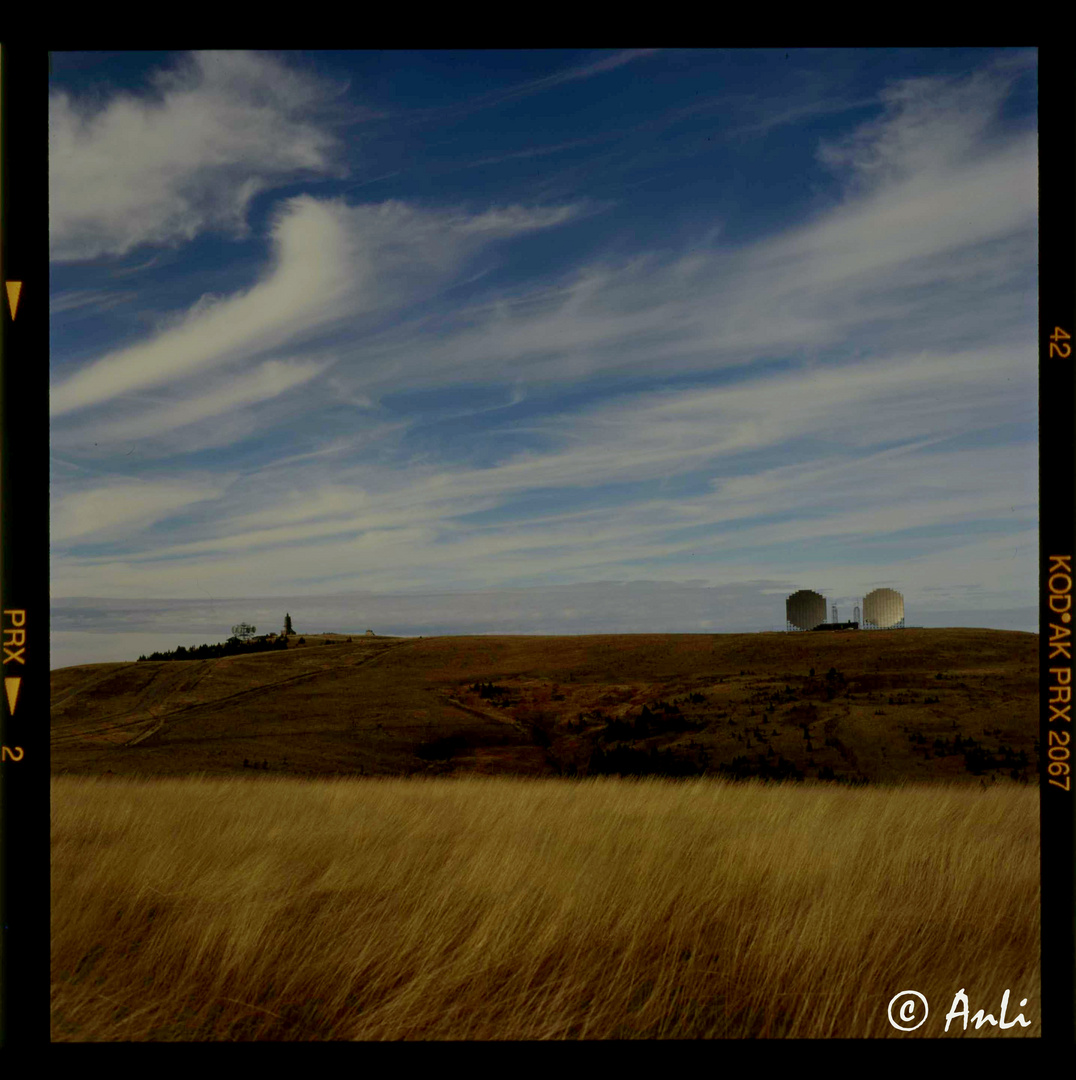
{"points": [[514, 909], [398, 706]]}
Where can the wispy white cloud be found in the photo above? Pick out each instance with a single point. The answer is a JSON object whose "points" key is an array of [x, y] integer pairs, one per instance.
{"points": [[850, 492], [268, 380], [784, 115], [541, 151], [331, 262], [586, 70], [96, 300], [121, 508], [931, 126], [221, 127], [597, 67], [952, 213]]}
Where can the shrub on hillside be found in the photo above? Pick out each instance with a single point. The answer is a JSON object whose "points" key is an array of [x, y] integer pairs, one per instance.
{"points": [[440, 749]]}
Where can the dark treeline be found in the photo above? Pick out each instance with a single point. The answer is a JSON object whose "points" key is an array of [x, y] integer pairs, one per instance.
{"points": [[488, 690], [231, 647]]}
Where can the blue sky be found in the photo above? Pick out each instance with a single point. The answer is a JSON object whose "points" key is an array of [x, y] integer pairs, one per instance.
{"points": [[500, 329]]}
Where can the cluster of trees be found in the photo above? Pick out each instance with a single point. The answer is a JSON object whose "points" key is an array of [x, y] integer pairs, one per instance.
{"points": [[488, 690], [239, 642], [232, 647], [978, 759], [663, 717], [624, 760]]}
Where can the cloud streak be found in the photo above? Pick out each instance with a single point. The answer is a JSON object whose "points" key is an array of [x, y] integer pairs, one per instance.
{"points": [[331, 261], [122, 508]]}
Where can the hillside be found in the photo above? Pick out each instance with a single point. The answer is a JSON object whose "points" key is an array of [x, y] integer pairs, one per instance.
{"points": [[883, 706]]}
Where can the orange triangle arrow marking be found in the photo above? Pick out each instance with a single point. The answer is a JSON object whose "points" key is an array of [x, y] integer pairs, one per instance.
{"points": [[13, 290], [11, 687]]}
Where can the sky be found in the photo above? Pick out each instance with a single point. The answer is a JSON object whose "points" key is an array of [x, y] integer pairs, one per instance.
{"points": [[540, 341]]}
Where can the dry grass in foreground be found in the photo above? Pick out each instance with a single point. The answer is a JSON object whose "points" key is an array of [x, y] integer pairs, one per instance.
{"points": [[515, 909]]}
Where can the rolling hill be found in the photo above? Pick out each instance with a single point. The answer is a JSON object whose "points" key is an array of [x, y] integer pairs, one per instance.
{"points": [[881, 706]]}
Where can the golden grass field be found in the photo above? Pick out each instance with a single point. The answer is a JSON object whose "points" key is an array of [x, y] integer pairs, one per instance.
{"points": [[512, 908]]}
